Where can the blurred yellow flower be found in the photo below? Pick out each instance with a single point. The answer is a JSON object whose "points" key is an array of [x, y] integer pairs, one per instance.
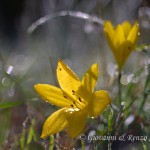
{"points": [[121, 40], [76, 98]]}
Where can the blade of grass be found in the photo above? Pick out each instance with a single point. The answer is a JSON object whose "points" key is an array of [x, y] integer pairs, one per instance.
{"points": [[145, 91], [130, 85], [22, 139], [82, 144], [110, 119], [10, 104], [32, 133], [51, 142], [110, 123], [4, 125]]}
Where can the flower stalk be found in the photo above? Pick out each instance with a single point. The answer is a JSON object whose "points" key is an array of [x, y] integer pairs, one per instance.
{"points": [[119, 87]]}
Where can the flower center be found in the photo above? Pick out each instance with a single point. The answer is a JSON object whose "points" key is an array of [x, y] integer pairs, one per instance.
{"points": [[77, 101]]}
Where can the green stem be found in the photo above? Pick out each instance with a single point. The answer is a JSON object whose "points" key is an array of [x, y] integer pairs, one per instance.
{"points": [[110, 124], [118, 120], [109, 145], [51, 142], [142, 102], [119, 87], [145, 94], [83, 144]]}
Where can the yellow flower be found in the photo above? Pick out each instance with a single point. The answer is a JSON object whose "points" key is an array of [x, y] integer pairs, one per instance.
{"points": [[76, 98], [121, 40]]}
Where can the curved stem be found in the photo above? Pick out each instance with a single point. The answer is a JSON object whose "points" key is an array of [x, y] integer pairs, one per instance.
{"points": [[76, 14]]}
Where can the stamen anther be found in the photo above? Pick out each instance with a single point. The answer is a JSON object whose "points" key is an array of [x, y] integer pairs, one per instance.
{"points": [[73, 92], [80, 99], [65, 97]]}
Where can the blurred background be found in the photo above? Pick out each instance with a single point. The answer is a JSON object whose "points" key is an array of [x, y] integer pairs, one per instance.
{"points": [[28, 58]]}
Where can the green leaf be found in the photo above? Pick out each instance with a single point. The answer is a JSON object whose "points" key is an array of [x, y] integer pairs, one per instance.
{"points": [[4, 125], [110, 118], [32, 133], [22, 139], [51, 143], [10, 104]]}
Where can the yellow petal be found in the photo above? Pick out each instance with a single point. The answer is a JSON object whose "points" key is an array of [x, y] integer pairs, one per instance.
{"points": [[128, 45], [98, 103], [55, 123], [121, 55], [52, 95], [90, 78], [116, 39], [119, 44], [126, 28], [109, 33], [133, 35], [119, 38], [108, 27], [76, 123], [67, 79]]}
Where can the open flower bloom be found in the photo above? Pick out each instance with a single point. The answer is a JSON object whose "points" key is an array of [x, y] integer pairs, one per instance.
{"points": [[121, 40], [76, 98]]}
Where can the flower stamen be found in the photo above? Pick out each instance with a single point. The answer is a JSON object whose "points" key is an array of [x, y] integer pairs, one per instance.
{"points": [[80, 105]]}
